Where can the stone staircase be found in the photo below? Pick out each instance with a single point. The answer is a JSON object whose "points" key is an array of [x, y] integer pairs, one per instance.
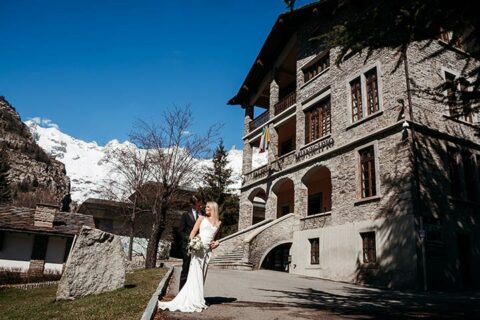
{"points": [[233, 260], [245, 249]]}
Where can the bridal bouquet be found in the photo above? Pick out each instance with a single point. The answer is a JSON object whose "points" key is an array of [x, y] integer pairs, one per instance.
{"points": [[195, 246]]}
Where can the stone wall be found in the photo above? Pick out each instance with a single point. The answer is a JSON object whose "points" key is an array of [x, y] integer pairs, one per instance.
{"points": [[263, 240], [237, 240]]}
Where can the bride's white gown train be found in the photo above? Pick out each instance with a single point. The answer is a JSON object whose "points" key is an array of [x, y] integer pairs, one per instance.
{"points": [[191, 298]]}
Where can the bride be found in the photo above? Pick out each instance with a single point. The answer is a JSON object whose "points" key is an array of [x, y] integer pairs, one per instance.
{"points": [[190, 298]]}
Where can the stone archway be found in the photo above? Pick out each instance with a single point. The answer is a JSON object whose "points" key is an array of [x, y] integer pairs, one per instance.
{"points": [[258, 199], [318, 181], [277, 257], [284, 191]]}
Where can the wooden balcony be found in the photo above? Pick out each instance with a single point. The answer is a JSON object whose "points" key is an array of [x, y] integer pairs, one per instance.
{"points": [[286, 102], [259, 121]]}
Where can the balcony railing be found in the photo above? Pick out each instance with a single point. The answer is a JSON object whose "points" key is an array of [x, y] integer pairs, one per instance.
{"points": [[259, 121], [286, 102]]}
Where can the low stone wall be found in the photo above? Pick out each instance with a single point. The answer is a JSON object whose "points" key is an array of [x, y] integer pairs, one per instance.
{"points": [[233, 241], [260, 242]]}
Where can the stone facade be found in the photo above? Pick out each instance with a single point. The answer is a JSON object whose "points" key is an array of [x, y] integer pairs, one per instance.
{"points": [[411, 213]]}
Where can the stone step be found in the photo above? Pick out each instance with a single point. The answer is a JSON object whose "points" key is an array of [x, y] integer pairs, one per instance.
{"points": [[245, 266]]}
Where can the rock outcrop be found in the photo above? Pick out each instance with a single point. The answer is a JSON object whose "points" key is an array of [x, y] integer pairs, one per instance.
{"points": [[96, 264], [31, 166]]}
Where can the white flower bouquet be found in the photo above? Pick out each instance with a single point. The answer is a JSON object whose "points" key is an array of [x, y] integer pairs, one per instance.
{"points": [[195, 246]]}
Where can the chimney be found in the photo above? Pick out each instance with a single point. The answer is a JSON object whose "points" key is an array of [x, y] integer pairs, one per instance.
{"points": [[44, 215]]}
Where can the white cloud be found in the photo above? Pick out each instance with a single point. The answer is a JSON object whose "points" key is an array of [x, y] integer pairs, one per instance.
{"points": [[44, 122]]}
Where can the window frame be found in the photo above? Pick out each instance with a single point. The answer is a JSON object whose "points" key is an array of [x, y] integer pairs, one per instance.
{"points": [[367, 247], [323, 108], [359, 189], [316, 62], [448, 109], [314, 254], [361, 77]]}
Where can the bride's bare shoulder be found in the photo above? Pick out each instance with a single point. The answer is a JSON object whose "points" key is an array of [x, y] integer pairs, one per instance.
{"points": [[219, 223]]}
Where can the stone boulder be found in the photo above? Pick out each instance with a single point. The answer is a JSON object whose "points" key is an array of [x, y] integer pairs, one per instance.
{"points": [[96, 264]]}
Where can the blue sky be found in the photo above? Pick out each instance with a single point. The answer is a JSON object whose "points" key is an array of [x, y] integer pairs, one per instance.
{"points": [[94, 66]]}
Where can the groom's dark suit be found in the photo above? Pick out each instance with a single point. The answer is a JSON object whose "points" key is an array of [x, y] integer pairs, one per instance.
{"points": [[186, 225]]}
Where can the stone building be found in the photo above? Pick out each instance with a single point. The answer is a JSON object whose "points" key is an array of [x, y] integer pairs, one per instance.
{"points": [[115, 217], [368, 180], [37, 241]]}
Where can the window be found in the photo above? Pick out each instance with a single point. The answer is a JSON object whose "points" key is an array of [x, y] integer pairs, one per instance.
{"points": [[314, 251], [372, 91], [367, 172], [315, 204], [318, 121], [447, 37], [68, 246], [311, 70], [286, 146], [463, 181], [469, 172], [368, 246], [39, 247], [364, 95], [356, 92], [454, 173], [454, 89]]}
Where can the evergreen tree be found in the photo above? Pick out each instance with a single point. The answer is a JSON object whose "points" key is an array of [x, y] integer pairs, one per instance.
{"points": [[217, 179], [5, 195]]}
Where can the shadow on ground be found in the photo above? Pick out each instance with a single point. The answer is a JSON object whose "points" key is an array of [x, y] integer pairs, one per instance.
{"points": [[378, 304]]}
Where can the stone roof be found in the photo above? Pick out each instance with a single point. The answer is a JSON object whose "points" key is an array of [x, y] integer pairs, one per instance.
{"points": [[21, 219]]}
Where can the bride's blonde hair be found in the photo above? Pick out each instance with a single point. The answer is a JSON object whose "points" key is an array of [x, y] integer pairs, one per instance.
{"points": [[214, 210]]}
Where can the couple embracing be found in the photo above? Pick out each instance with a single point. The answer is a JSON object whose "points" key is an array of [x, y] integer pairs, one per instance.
{"points": [[202, 227]]}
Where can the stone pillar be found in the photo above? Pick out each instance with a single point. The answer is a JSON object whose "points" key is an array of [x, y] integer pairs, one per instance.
{"points": [[246, 212], [271, 206], [300, 127], [44, 215], [36, 268], [274, 97], [248, 118], [301, 199], [247, 157], [273, 149], [247, 148]]}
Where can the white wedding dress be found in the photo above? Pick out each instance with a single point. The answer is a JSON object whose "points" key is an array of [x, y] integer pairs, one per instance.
{"points": [[190, 298]]}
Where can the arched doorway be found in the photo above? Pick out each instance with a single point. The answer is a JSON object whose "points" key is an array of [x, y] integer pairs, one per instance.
{"points": [[284, 190], [319, 184], [258, 198], [278, 258]]}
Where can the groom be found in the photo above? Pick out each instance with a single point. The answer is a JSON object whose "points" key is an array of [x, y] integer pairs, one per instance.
{"points": [[186, 225]]}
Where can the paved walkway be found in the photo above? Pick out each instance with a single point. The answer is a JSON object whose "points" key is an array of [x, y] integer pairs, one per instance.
{"points": [[274, 295]]}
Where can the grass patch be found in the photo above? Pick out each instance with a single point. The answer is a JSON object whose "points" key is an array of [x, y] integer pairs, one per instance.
{"points": [[126, 303]]}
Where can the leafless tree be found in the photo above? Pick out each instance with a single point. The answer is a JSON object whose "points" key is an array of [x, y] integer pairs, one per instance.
{"points": [[174, 152], [130, 171]]}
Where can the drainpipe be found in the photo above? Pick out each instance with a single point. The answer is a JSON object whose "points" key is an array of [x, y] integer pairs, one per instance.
{"points": [[417, 201]]}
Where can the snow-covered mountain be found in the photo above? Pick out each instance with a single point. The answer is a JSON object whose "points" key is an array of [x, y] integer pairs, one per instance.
{"points": [[86, 162]]}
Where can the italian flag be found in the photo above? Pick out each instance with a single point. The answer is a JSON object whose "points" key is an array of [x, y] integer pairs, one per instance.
{"points": [[264, 140]]}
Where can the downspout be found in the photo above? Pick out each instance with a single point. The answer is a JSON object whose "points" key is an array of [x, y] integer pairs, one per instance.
{"points": [[417, 209]]}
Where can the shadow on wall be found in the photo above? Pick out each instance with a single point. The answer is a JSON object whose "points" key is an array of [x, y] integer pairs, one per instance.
{"points": [[450, 243]]}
